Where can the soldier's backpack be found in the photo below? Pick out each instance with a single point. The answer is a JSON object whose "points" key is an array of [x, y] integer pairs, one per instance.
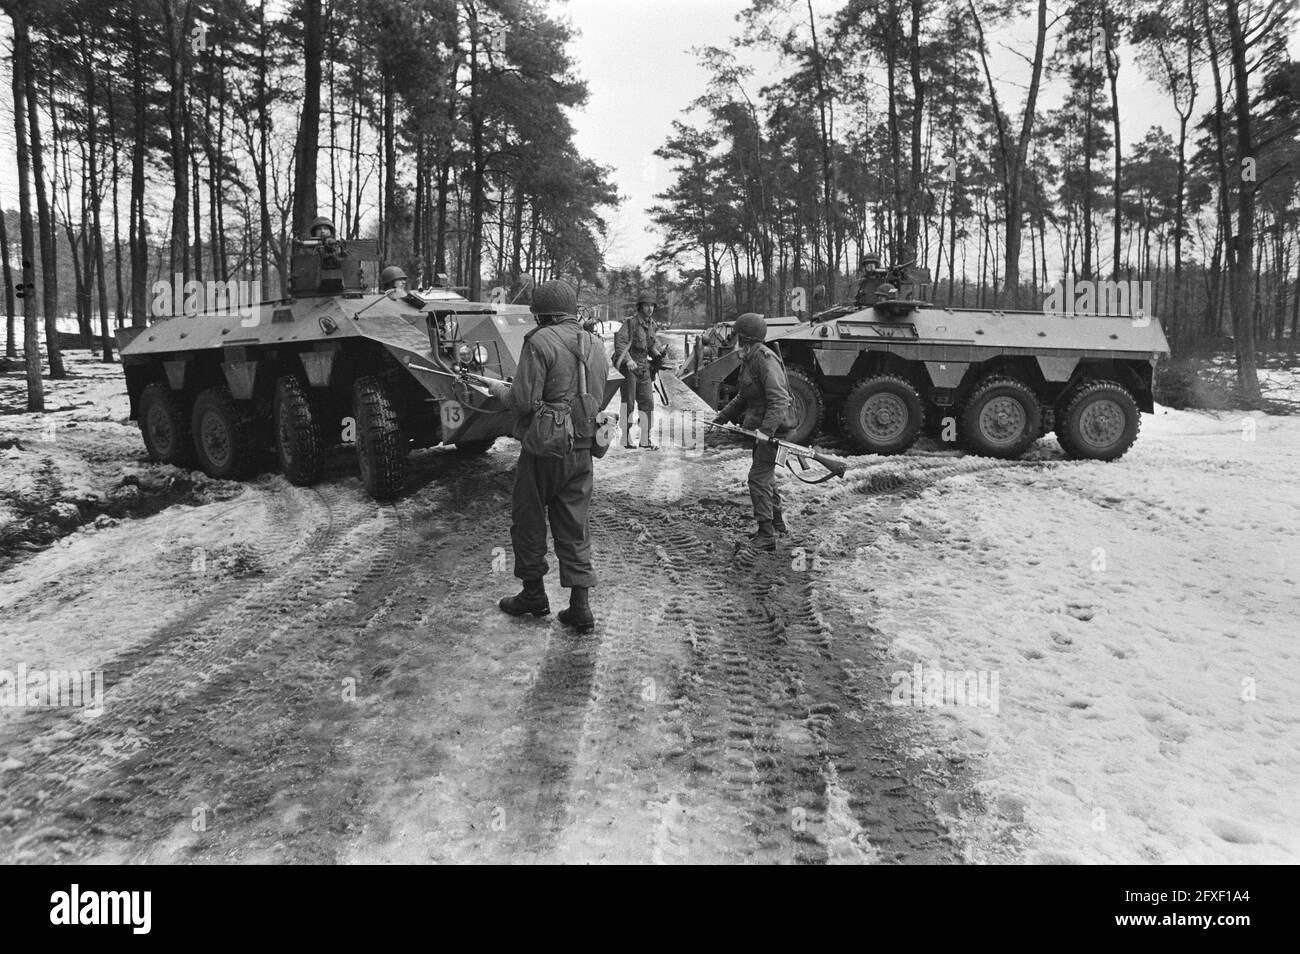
{"points": [[555, 426]]}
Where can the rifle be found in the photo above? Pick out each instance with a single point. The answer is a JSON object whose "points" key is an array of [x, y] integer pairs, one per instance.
{"points": [[657, 365], [463, 376], [785, 450]]}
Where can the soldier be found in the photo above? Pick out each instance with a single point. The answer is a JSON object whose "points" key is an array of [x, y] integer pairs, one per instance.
{"points": [[716, 341], [320, 228], [635, 346], [554, 487], [765, 405], [393, 277]]}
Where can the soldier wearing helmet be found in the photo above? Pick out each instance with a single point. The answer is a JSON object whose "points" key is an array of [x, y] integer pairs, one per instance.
{"points": [[763, 405], [554, 488], [320, 228], [393, 278], [636, 346]]}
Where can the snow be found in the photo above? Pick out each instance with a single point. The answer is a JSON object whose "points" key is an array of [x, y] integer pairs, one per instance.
{"points": [[1141, 619], [1133, 623]]}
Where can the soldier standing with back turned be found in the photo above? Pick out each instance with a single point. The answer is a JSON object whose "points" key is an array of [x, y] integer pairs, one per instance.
{"points": [[765, 406], [557, 489]]}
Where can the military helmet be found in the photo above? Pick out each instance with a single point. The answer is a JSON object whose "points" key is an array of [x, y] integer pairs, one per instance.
{"points": [[390, 276], [555, 297], [886, 292], [646, 298], [313, 230], [752, 326]]}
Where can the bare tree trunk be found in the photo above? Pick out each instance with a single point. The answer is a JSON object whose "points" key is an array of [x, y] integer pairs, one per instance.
{"points": [[1242, 313], [177, 18], [45, 224], [11, 343], [1112, 74], [136, 237], [31, 334], [304, 180]]}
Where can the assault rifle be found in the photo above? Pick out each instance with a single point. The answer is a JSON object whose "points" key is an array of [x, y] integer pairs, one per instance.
{"points": [[785, 450]]}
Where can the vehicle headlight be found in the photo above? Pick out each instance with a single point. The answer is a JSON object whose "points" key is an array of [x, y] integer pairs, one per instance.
{"points": [[465, 353], [481, 354]]}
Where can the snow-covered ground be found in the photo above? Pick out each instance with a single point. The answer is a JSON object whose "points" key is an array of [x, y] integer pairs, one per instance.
{"points": [[1128, 628], [1140, 619]]}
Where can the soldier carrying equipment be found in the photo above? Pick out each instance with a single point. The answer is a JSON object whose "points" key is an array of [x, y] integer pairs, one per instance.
{"points": [[765, 404], [558, 357], [637, 348]]}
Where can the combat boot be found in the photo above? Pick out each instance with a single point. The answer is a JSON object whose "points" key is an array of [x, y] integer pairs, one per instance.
{"points": [[778, 522], [764, 538], [578, 615], [532, 599]]}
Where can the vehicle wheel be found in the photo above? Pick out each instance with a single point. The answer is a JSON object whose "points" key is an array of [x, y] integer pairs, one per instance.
{"points": [[381, 451], [809, 408], [1100, 422], [299, 442], [224, 436], [474, 448], [1001, 418], [883, 415], [165, 425]]}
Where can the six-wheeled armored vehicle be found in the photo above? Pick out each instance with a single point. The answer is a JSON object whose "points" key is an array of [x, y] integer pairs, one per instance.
{"points": [[332, 363], [884, 368]]}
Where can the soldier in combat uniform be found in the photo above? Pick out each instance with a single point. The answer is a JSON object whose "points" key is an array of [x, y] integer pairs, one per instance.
{"points": [[559, 488], [763, 405], [634, 347]]}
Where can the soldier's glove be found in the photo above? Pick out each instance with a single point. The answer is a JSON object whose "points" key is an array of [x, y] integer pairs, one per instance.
{"points": [[630, 364]]}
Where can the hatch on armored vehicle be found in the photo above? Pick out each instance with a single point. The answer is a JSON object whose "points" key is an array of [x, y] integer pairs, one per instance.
{"points": [[885, 368]]}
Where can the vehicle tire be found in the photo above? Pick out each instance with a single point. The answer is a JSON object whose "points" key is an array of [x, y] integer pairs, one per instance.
{"points": [[165, 425], [1100, 421], [381, 450], [1001, 418], [883, 415], [299, 440], [808, 405], [224, 436], [474, 448]]}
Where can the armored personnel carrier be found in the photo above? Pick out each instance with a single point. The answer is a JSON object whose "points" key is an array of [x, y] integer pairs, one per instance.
{"points": [[332, 363], [885, 367]]}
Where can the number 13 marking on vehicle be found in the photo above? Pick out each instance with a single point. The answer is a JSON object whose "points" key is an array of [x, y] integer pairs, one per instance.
{"points": [[453, 415]]}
